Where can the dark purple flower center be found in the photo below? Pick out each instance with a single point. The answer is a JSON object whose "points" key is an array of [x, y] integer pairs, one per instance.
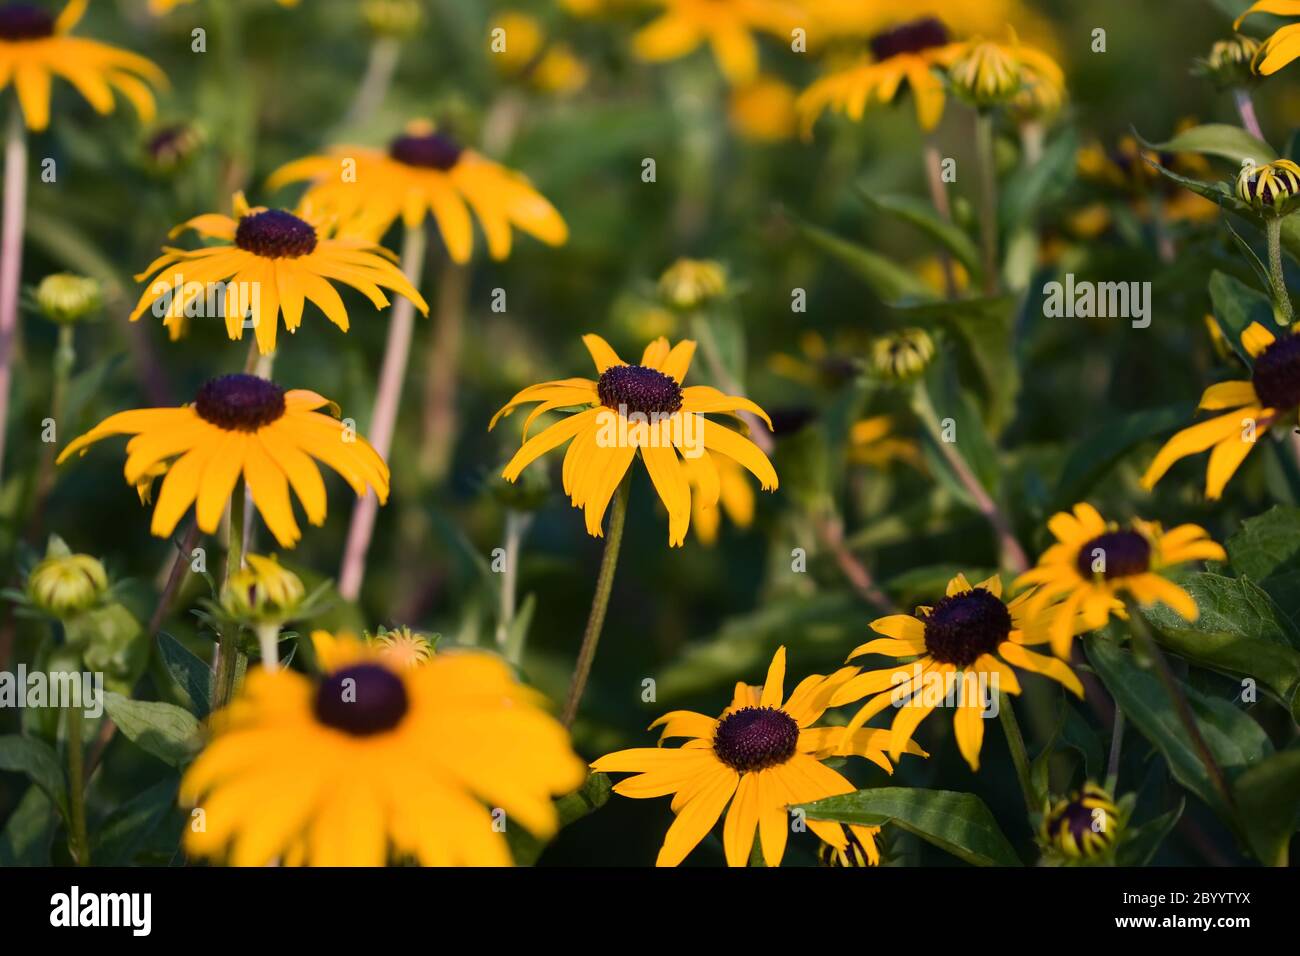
{"points": [[962, 627], [25, 21], [275, 234], [1116, 554], [361, 700], [429, 151], [635, 388], [756, 737], [913, 37], [1277, 374], [242, 403]]}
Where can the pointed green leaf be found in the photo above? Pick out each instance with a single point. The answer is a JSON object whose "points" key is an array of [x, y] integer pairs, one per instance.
{"points": [[1226, 141], [168, 732], [38, 761]]}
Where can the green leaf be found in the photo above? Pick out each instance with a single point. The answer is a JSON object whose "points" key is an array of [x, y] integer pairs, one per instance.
{"points": [[890, 282], [1032, 186], [38, 761], [1240, 632], [1140, 844], [1093, 457], [168, 732], [1217, 139], [1268, 797], [1218, 192], [128, 828], [921, 214], [193, 676], [950, 401], [1236, 305], [1078, 734], [1233, 738], [957, 823], [592, 795], [28, 834], [1266, 549]]}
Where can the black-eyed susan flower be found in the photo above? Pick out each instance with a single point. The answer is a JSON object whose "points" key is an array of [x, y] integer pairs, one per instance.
{"points": [[961, 648], [633, 409], [901, 356], [763, 111], [762, 755], [1270, 187], [1283, 45], [241, 425], [734, 496], [908, 56], [728, 26], [1248, 409], [1083, 827], [526, 55], [371, 763], [36, 46], [856, 851], [425, 171], [1228, 65], [1094, 563], [64, 584], [402, 647], [986, 73], [873, 442], [275, 262]]}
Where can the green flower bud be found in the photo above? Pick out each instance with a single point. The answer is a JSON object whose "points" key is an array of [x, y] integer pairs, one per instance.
{"points": [[66, 298], [689, 283], [1084, 827], [65, 585], [987, 74], [1229, 62], [1270, 188], [262, 592], [902, 356]]}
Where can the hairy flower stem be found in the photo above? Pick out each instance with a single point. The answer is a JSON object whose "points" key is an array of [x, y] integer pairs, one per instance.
{"points": [[1013, 555], [1148, 646], [227, 643], [517, 523], [78, 845], [939, 196], [1276, 275], [383, 420], [1016, 744], [984, 151], [599, 602], [12, 221], [65, 357], [1246, 109]]}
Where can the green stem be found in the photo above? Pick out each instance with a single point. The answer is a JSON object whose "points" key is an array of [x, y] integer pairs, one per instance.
{"points": [[517, 523], [1281, 298], [227, 643], [599, 602], [78, 845], [1147, 643], [1116, 742], [1019, 755], [985, 156]]}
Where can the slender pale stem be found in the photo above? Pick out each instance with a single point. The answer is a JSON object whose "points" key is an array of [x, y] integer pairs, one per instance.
{"points": [[373, 89], [1013, 555], [65, 357], [1142, 635], [758, 430], [262, 368], [1246, 109], [11, 254], [442, 366], [268, 639], [831, 529], [517, 523], [78, 845], [1116, 743], [383, 420], [939, 196], [1276, 274], [1019, 755], [599, 602], [985, 156]]}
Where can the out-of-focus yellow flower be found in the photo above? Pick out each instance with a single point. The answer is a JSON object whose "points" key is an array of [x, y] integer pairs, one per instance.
{"points": [[735, 496], [66, 298], [872, 442], [903, 355], [726, 25], [818, 363], [931, 271], [764, 111], [690, 283], [1127, 170], [403, 648], [392, 18], [516, 40], [160, 7]]}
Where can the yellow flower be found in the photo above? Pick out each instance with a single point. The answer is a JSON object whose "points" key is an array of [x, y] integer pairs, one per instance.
{"points": [[521, 40], [763, 111], [872, 442], [1229, 63], [1083, 826], [1249, 407], [1284, 45], [902, 355], [1094, 562], [911, 52], [275, 261], [761, 756], [425, 171], [735, 497], [160, 7], [961, 648], [370, 763], [1271, 187], [242, 425], [727, 25], [262, 592], [36, 46], [855, 853], [689, 283], [643, 408], [403, 647], [64, 584], [559, 71]]}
